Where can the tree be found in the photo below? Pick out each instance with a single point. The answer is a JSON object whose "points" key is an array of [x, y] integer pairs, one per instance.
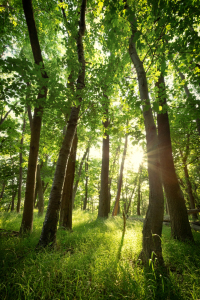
{"points": [[20, 167], [104, 198], [152, 229], [79, 174], [48, 235], [40, 193], [119, 186], [139, 191], [86, 183], [66, 202], [180, 227], [27, 220], [187, 178]]}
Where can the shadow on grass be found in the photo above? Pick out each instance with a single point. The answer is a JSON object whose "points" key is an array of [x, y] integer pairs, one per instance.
{"points": [[158, 284]]}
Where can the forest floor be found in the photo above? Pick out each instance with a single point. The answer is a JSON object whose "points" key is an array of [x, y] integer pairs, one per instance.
{"points": [[95, 261]]}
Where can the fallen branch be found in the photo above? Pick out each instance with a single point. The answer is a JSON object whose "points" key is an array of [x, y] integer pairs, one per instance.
{"points": [[4, 232], [193, 211]]}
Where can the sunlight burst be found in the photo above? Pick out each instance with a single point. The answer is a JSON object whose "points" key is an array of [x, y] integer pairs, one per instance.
{"points": [[136, 157]]}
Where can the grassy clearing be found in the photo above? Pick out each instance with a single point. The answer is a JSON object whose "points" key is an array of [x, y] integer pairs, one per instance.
{"points": [[86, 264]]}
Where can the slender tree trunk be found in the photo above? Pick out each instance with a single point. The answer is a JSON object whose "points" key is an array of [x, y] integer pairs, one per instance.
{"points": [[2, 189], [13, 200], [27, 219], [66, 202], [119, 186], [189, 188], [104, 199], [166, 208], [38, 177], [9, 206], [49, 229], [111, 174], [36, 193], [14, 192], [152, 229], [130, 199], [40, 193], [45, 187], [86, 184], [138, 199], [188, 183], [20, 168], [180, 227], [79, 175], [29, 113]]}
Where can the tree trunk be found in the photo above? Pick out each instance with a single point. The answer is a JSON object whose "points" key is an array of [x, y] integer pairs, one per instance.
{"points": [[38, 177], [152, 229], [48, 235], [111, 174], [49, 229], [45, 187], [36, 193], [138, 199], [40, 193], [104, 198], [86, 184], [20, 168], [188, 183], [130, 199], [14, 192], [180, 228], [79, 175], [66, 202], [27, 219], [119, 186], [2, 189], [29, 113]]}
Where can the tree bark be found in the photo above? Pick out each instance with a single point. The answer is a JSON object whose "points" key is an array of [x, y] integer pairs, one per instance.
{"points": [[138, 199], [36, 193], [187, 179], [27, 219], [152, 229], [40, 193], [20, 168], [104, 198], [130, 199], [29, 114], [79, 175], [14, 192], [180, 227], [2, 189], [112, 169], [66, 202], [48, 235], [86, 184], [119, 186], [190, 192]]}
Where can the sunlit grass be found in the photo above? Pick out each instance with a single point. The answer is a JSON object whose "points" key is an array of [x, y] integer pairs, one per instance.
{"points": [[94, 262]]}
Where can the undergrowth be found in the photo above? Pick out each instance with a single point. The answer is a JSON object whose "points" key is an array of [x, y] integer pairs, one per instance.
{"points": [[94, 262]]}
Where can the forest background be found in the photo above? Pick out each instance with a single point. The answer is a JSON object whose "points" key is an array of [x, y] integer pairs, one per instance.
{"points": [[85, 88]]}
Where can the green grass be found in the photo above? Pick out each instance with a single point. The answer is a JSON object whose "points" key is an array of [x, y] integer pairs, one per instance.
{"points": [[94, 262]]}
